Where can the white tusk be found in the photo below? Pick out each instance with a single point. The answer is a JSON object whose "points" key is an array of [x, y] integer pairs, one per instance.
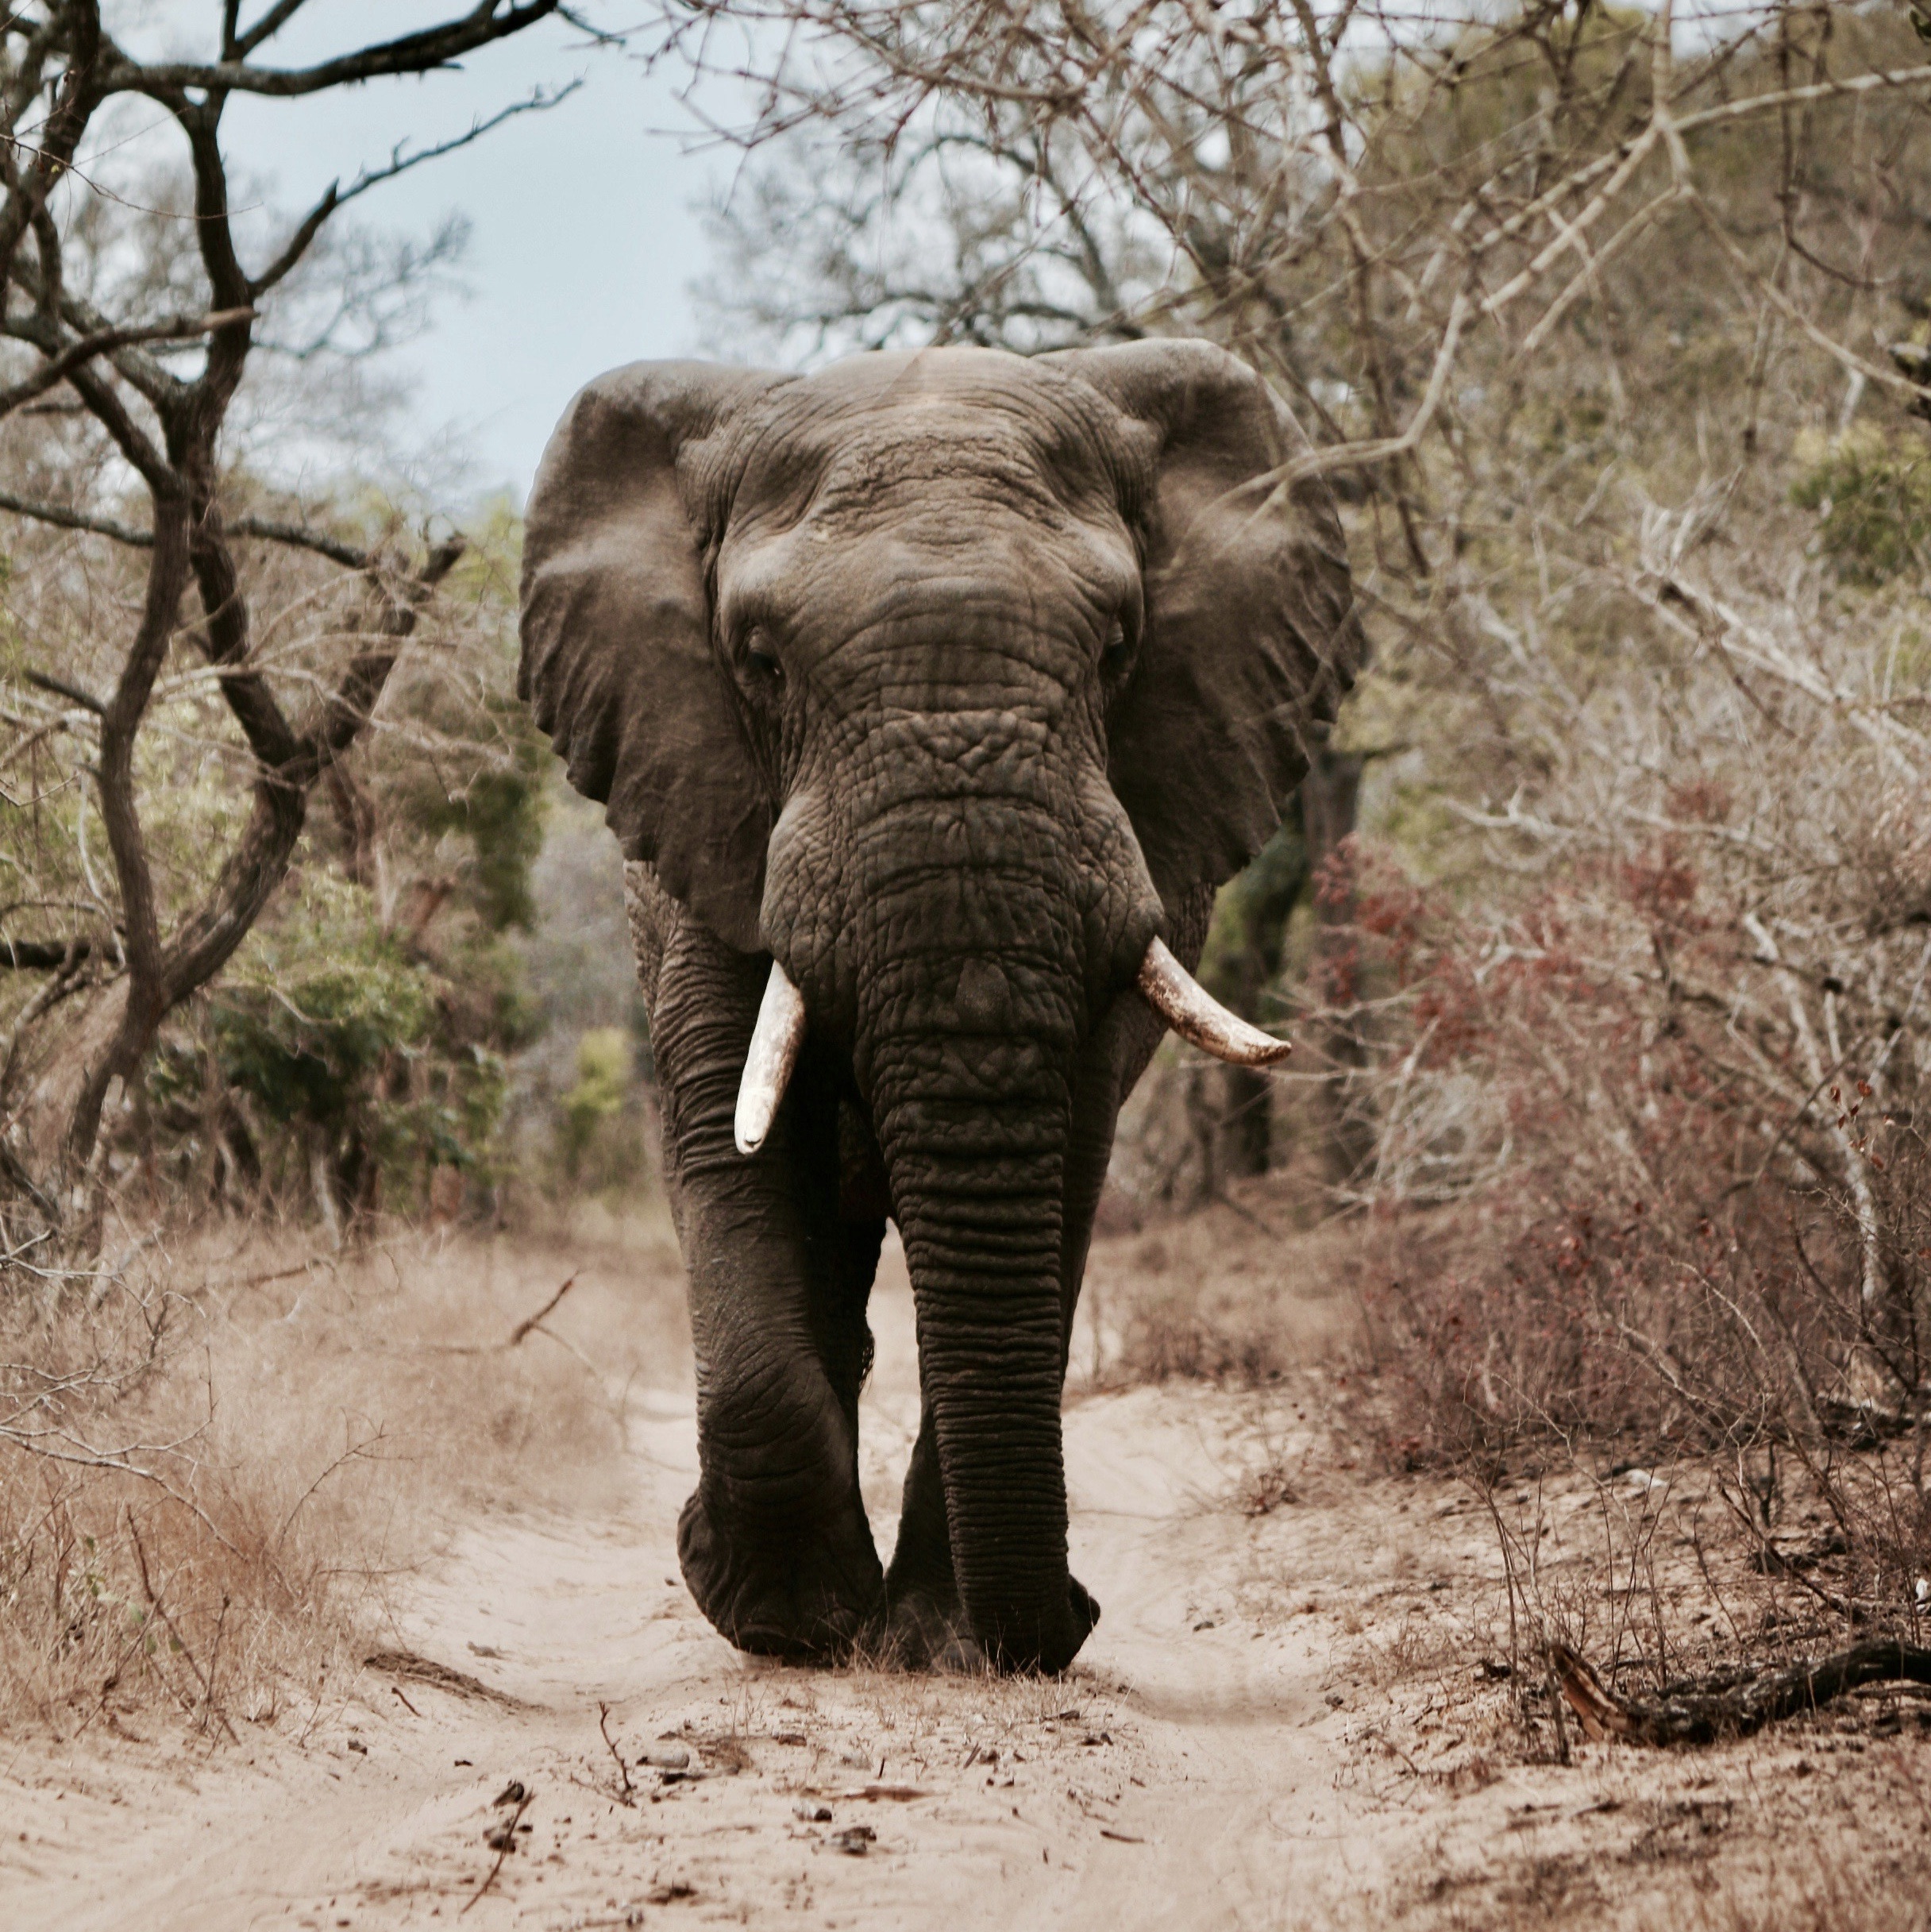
{"points": [[775, 1041], [1196, 1015]]}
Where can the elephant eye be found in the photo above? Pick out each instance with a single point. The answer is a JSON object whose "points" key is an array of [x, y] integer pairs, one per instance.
{"points": [[762, 659]]}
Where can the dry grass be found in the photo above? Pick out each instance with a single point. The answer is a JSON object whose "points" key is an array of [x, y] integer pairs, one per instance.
{"points": [[1233, 1295], [214, 1472], [1834, 1884], [1664, 1555]]}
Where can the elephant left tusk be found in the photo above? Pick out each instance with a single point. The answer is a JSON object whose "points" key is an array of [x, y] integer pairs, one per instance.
{"points": [[1196, 1015], [775, 1041]]}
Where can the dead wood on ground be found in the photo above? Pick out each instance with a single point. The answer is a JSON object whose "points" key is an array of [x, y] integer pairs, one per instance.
{"points": [[1703, 1716]]}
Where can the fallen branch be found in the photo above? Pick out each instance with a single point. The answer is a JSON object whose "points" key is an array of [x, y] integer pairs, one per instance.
{"points": [[531, 1324], [427, 1670], [524, 1327], [1703, 1717]]}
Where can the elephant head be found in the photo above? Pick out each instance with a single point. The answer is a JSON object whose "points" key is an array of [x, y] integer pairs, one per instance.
{"points": [[946, 679]]}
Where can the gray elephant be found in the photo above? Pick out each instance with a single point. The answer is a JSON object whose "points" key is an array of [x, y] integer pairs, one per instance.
{"points": [[931, 696]]}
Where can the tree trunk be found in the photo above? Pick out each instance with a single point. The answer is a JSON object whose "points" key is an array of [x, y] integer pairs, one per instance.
{"points": [[74, 1069], [322, 1183], [1247, 1120], [1234, 1105], [1330, 798]]}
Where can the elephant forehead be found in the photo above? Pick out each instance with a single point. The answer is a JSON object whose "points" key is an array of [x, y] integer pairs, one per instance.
{"points": [[1047, 399], [947, 451], [978, 575], [879, 428]]}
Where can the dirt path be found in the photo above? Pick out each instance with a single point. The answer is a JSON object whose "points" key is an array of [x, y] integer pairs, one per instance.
{"points": [[1254, 1738]]}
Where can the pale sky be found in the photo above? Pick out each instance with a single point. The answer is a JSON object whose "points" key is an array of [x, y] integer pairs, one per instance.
{"points": [[585, 234]]}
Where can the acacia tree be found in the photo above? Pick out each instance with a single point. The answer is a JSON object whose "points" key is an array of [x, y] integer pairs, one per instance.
{"points": [[149, 381]]}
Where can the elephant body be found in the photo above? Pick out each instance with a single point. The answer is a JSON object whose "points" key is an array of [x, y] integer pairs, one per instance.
{"points": [[934, 694]]}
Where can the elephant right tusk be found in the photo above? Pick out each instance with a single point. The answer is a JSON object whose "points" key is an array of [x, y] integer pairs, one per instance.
{"points": [[775, 1041], [1196, 1015]]}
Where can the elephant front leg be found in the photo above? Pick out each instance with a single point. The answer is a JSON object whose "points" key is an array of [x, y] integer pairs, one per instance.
{"points": [[774, 1543]]}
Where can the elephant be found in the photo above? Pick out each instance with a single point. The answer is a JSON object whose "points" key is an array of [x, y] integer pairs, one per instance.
{"points": [[930, 695]]}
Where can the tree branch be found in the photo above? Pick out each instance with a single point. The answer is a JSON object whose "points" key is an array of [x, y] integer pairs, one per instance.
{"points": [[133, 442], [73, 106], [1702, 1716], [43, 955], [45, 681], [421, 53], [270, 23], [68, 518], [259, 860], [400, 164], [57, 370], [350, 556], [267, 529]]}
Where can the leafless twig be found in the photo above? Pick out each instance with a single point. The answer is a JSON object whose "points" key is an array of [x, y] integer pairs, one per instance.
{"points": [[503, 1838], [209, 1706], [531, 1321], [625, 1794]]}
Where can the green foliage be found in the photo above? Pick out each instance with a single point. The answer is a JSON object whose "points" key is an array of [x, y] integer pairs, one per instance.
{"points": [[1250, 914], [495, 802], [303, 1029], [334, 1026], [603, 1080], [500, 812], [1872, 495]]}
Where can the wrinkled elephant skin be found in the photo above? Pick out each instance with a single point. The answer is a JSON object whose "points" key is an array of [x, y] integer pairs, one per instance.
{"points": [[946, 684]]}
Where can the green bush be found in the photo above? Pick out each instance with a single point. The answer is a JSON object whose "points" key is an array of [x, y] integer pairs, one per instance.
{"points": [[602, 1082], [499, 810], [338, 1031], [1872, 494]]}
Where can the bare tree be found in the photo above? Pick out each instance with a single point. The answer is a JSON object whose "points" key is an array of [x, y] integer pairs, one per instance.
{"points": [[1360, 200], [127, 379]]}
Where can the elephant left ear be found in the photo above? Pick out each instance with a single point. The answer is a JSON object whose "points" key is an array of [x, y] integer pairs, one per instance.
{"points": [[1251, 636], [618, 662]]}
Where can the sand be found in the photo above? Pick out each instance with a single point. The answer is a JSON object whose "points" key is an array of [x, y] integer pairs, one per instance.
{"points": [[1281, 1721]]}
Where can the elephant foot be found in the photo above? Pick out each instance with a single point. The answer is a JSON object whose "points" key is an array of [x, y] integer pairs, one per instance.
{"points": [[925, 1629], [805, 1598], [1083, 1612], [928, 1630], [1086, 1609]]}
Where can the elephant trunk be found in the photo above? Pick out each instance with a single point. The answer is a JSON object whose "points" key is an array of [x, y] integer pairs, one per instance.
{"points": [[969, 991], [977, 1183]]}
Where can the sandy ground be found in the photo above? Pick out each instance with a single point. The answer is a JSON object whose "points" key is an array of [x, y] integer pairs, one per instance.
{"points": [[1280, 1722]]}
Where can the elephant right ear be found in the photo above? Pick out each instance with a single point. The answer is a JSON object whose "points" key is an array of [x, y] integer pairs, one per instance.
{"points": [[618, 662], [1251, 636]]}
